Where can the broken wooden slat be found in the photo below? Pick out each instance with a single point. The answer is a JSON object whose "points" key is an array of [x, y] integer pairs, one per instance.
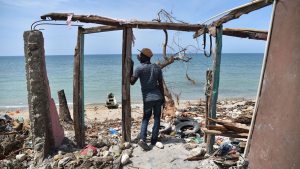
{"points": [[78, 105], [215, 84], [64, 112], [133, 24], [236, 13], [226, 134], [240, 128], [98, 29], [126, 74], [243, 119], [195, 158], [207, 97], [219, 128], [246, 33], [242, 33], [8, 133]]}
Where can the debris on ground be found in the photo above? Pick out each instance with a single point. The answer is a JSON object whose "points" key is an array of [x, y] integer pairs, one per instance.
{"points": [[182, 135]]}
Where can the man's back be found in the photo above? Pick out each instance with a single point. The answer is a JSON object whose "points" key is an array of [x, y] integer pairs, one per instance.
{"points": [[149, 75]]}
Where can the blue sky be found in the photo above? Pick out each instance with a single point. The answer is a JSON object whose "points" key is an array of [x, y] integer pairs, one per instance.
{"points": [[17, 16]]}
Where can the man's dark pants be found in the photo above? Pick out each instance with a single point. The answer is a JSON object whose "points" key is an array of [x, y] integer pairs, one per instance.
{"points": [[149, 107]]}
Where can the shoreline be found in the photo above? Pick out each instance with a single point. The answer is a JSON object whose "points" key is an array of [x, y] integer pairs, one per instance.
{"points": [[16, 107], [98, 111]]}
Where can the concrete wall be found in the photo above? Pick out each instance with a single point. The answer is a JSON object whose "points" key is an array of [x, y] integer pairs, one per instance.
{"points": [[46, 130]]}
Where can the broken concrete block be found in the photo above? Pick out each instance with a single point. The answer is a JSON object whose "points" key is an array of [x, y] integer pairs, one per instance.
{"points": [[124, 159]]}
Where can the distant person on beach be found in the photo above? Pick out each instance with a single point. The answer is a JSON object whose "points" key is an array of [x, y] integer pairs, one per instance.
{"points": [[150, 76]]}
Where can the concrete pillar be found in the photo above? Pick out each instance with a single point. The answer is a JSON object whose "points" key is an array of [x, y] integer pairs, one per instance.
{"points": [[46, 130]]}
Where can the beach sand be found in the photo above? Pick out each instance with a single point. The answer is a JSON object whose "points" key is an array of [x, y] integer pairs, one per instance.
{"points": [[99, 119], [96, 111]]}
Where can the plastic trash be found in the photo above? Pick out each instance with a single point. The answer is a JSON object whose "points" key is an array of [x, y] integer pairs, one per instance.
{"points": [[198, 139], [113, 131], [225, 148], [20, 119], [5, 117], [89, 150]]}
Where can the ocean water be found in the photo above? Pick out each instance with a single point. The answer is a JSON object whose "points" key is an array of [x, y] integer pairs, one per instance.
{"points": [[102, 74]]}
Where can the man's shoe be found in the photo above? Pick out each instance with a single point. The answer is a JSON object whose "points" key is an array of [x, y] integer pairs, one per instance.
{"points": [[143, 145]]}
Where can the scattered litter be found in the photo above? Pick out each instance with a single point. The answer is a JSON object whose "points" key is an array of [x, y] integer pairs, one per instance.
{"points": [[89, 151], [159, 145], [113, 131]]}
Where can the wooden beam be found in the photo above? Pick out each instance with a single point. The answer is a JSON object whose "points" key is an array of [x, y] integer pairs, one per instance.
{"points": [[208, 96], [246, 33], [226, 134], [241, 33], [122, 23], [219, 128], [236, 13], [215, 85], [126, 74], [98, 29], [78, 102], [236, 127]]}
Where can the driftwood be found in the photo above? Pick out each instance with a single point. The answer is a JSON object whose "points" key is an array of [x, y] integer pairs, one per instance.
{"points": [[133, 24], [236, 13], [226, 134], [244, 119], [219, 128], [236, 127], [195, 158]]}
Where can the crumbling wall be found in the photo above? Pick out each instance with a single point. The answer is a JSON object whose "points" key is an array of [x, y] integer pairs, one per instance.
{"points": [[46, 130]]}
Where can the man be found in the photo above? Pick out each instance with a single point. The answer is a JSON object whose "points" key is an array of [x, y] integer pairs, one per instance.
{"points": [[150, 76]]}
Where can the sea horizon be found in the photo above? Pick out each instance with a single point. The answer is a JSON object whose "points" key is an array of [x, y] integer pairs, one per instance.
{"points": [[102, 74], [132, 54]]}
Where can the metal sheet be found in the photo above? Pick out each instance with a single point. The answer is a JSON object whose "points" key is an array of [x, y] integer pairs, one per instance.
{"points": [[276, 136]]}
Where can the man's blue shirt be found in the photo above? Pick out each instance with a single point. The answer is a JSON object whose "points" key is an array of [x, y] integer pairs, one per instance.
{"points": [[149, 75]]}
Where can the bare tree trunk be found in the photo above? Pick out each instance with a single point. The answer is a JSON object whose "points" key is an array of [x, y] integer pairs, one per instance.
{"points": [[168, 95], [64, 113], [169, 104]]}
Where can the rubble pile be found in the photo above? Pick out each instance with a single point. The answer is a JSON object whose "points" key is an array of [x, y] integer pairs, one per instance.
{"points": [[104, 148], [16, 146]]}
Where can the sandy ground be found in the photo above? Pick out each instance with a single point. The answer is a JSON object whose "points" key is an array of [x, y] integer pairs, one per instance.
{"points": [[170, 157], [92, 112], [96, 112]]}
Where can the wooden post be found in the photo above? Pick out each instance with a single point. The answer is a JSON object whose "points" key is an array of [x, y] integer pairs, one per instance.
{"points": [[215, 86], [126, 68], [64, 112], [78, 102], [208, 96]]}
